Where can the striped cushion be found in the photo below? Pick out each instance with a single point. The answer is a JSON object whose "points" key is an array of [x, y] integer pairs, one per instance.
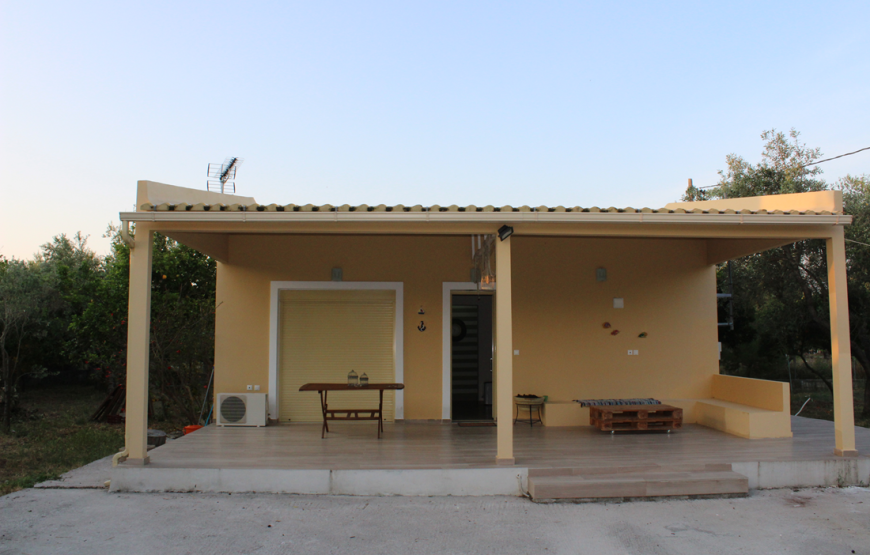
{"points": [[611, 402]]}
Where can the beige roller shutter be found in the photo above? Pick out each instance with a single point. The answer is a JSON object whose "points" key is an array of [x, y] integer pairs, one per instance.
{"points": [[325, 334]]}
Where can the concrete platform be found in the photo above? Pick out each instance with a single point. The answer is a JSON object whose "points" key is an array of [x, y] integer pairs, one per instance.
{"points": [[440, 459]]}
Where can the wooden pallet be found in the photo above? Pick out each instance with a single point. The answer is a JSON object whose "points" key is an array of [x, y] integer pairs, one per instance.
{"points": [[614, 418]]}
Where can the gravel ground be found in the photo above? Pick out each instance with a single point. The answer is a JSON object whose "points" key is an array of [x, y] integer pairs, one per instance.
{"points": [[45, 520]]}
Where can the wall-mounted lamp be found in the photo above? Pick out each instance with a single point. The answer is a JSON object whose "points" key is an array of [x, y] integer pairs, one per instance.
{"points": [[505, 231]]}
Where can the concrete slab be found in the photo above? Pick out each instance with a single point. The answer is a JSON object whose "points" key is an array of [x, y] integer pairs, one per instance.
{"points": [[90, 476], [434, 482], [813, 473], [431, 482], [41, 522], [219, 480]]}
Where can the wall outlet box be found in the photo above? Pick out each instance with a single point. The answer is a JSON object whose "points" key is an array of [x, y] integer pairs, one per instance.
{"points": [[618, 302], [250, 387], [257, 387], [516, 352], [634, 353], [630, 352]]}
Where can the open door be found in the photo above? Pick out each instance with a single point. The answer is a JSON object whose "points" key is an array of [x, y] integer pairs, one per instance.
{"points": [[471, 358]]}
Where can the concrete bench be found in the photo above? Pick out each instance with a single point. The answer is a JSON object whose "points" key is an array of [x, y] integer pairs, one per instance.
{"points": [[744, 407], [565, 413]]}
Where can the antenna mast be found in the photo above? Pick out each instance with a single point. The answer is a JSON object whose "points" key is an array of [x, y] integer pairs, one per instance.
{"points": [[224, 173]]}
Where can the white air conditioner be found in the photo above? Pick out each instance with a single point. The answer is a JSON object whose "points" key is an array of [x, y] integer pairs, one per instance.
{"points": [[242, 409]]}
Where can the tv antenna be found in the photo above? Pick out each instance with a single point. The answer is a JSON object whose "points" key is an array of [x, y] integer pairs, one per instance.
{"points": [[224, 173]]}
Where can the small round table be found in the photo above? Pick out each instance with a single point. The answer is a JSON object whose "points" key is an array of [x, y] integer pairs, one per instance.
{"points": [[531, 405]]}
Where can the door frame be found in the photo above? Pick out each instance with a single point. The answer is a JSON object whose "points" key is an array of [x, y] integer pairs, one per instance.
{"points": [[275, 321], [447, 289]]}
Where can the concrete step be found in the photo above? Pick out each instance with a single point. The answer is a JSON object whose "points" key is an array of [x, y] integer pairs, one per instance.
{"points": [[641, 481]]}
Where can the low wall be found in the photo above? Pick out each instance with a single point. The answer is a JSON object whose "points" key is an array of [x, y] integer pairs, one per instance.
{"points": [[762, 394], [565, 413], [746, 407]]}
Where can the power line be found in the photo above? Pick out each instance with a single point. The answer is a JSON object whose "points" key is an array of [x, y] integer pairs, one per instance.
{"points": [[835, 157], [859, 242], [805, 165]]}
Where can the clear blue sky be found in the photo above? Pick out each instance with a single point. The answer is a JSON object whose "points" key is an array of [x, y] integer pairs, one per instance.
{"points": [[467, 102]]}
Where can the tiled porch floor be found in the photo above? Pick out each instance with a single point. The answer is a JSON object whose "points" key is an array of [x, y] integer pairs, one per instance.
{"points": [[427, 446]]}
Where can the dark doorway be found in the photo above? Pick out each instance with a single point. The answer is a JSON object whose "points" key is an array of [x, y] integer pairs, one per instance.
{"points": [[471, 357]]}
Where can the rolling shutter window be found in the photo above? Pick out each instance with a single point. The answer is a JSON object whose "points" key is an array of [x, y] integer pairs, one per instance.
{"points": [[325, 334]]}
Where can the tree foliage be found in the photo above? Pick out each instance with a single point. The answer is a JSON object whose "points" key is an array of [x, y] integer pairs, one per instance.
{"points": [[25, 304], [64, 314], [781, 295], [182, 323]]}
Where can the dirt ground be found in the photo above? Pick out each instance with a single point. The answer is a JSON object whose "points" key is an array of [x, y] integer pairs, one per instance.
{"points": [[36, 521]]}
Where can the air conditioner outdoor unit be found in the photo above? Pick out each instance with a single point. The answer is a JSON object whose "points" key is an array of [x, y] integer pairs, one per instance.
{"points": [[242, 409]]}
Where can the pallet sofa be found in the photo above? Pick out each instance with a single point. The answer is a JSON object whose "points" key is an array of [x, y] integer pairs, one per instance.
{"points": [[744, 407]]}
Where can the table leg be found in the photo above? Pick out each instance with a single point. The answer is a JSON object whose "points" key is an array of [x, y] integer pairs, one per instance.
{"points": [[380, 412], [531, 424], [323, 407], [517, 416]]}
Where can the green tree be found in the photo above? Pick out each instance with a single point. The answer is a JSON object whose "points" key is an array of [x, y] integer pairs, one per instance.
{"points": [[856, 202], [73, 272], [182, 323], [24, 302], [783, 292]]}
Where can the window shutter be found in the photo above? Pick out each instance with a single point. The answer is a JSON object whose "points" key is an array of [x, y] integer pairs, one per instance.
{"points": [[326, 333]]}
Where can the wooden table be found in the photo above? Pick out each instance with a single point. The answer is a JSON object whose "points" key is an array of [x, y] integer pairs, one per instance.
{"points": [[351, 414], [613, 418]]}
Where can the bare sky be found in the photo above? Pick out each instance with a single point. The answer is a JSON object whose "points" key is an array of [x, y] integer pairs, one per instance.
{"points": [[572, 103]]}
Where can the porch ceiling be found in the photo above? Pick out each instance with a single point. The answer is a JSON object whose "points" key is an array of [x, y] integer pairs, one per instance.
{"points": [[216, 243]]}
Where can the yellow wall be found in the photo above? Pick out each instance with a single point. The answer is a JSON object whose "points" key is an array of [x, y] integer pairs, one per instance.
{"points": [[558, 310], [422, 263]]}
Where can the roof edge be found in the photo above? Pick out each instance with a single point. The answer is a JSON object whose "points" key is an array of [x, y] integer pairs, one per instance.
{"points": [[816, 201], [152, 192]]}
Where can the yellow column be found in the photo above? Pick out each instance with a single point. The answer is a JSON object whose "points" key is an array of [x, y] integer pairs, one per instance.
{"points": [[504, 368], [841, 352], [138, 346]]}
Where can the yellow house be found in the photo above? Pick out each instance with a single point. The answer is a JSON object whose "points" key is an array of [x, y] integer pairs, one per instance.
{"points": [[587, 303]]}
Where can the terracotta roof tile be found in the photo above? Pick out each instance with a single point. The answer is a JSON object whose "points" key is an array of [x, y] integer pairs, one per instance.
{"points": [[399, 208]]}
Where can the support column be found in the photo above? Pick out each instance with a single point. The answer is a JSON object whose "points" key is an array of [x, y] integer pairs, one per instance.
{"points": [[841, 352], [504, 367], [138, 346]]}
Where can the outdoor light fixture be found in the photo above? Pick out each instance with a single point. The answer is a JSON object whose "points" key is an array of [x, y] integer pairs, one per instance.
{"points": [[505, 231]]}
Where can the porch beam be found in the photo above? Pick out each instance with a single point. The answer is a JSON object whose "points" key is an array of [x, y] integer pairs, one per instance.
{"points": [[215, 245], [841, 352], [138, 346], [504, 369], [723, 250], [698, 226]]}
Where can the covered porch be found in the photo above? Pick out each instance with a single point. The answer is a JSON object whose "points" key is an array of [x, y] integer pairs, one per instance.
{"points": [[421, 254]]}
